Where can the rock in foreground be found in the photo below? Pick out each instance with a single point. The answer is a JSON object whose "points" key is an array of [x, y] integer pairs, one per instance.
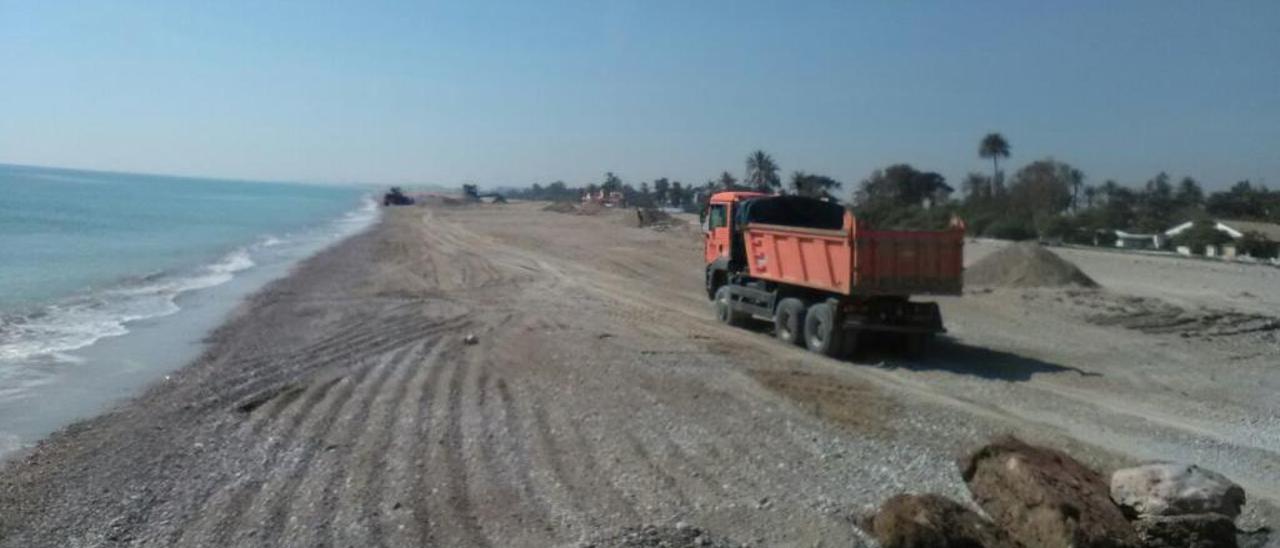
{"points": [[1043, 497], [1187, 531], [933, 521], [1173, 489]]}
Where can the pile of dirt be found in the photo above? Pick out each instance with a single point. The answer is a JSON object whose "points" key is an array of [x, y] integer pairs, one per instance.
{"points": [[561, 207], [433, 199], [649, 217], [589, 208], [680, 536], [655, 219], [1026, 265]]}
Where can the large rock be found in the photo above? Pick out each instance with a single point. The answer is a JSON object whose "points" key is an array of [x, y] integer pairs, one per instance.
{"points": [[933, 521], [1187, 531], [1045, 498], [1171, 489]]}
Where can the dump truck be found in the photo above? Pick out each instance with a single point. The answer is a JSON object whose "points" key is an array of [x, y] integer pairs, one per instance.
{"points": [[825, 279]]}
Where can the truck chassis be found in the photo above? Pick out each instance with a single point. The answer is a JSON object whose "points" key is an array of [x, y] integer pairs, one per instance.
{"points": [[829, 324]]}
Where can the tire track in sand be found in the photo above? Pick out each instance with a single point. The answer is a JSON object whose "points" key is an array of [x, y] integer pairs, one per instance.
{"points": [[269, 508], [393, 489], [355, 517], [334, 453], [226, 508]]}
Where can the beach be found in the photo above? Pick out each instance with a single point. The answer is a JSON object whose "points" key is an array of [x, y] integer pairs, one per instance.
{"points": [[109, 281], [500, 375]]}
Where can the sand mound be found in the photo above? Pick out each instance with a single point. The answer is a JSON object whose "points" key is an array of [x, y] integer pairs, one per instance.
{"points": [[571, 208], [1026, 264], [655, 219], [561, 207]]}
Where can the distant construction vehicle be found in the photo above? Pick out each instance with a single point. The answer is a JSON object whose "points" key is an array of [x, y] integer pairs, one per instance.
{"points": [[396, 197], [826, 280], [473, 194]]}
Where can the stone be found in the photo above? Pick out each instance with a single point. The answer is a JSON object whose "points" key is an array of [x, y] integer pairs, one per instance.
{"points": [[933, 521], [1187, 531], [1173, 489], [1043, 497]]}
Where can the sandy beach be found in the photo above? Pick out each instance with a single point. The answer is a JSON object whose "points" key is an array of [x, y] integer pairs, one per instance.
{"points": [[343, 406]]}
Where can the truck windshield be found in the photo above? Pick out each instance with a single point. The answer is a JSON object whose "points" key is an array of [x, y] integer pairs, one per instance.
{"points": [[715, 216]]}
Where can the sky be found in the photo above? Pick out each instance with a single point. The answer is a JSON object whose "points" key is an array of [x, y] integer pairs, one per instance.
{"points": [[512, 93]]}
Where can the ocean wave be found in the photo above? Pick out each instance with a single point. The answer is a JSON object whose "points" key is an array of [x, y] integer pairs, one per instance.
{"points": [[51, 331], [80, 321]]}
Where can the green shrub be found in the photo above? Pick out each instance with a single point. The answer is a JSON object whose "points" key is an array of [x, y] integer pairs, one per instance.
{"points": [[1009, 229]]}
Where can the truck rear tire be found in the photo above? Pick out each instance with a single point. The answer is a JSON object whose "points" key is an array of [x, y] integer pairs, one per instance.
{"points": [[821, 334], [788, 321], [724, 309]]}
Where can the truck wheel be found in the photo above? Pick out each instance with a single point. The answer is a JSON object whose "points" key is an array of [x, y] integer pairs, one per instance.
{"points": [[788, 321], [724, 312], [821, 334]]}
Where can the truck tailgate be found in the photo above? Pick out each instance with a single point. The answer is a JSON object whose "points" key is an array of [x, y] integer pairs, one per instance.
{"points": [[899, 262]]}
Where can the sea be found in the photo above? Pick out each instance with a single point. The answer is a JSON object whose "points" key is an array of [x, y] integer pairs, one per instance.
{"points": [[110, 281]]}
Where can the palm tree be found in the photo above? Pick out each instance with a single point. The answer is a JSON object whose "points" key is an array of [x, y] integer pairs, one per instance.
{"points": [[1076, 178], [727, 181], [762, 172], [994, 146], [1109, 189], [813, 186]]}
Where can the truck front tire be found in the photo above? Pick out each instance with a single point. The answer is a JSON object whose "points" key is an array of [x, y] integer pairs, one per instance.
{"points": [[821, 334], [788, 321], [724, 309]]}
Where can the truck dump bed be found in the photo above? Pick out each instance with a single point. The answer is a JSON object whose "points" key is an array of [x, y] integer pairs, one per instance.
{"points": [[856, 260]]}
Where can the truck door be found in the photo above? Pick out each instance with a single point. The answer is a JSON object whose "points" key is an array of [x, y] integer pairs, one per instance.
{"points": [[716, 230]]}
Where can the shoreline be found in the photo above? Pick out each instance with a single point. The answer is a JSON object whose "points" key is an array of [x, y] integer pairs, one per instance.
{"points": [[131, 440], [49, 392]]}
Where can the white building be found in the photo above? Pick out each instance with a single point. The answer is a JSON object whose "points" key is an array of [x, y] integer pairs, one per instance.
{"points": [[1235, 229], [1130, 240]]}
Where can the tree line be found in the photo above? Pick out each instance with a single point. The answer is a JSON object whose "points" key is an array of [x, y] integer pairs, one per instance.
{"points": [[1051, 199], [1046, 198], [761, 174]]}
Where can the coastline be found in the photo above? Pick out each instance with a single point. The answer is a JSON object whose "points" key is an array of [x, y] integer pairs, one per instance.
{"points": [[87, 373], [179, 424]]}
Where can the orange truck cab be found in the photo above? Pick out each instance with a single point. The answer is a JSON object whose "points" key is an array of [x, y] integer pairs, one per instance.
{"points": [[826, 280]]}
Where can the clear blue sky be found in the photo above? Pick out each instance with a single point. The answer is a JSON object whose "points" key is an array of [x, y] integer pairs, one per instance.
{"points": [[518, 92]]}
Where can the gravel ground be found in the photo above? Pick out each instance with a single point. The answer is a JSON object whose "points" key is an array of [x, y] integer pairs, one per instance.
{"points": [[341, 406]]}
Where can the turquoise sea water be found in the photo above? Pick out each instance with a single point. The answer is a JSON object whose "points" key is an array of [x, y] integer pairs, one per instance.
{"points": [[89, 255]]}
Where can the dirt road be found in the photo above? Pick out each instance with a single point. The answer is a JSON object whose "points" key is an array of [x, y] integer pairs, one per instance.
{"points": [[342, 407]]}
